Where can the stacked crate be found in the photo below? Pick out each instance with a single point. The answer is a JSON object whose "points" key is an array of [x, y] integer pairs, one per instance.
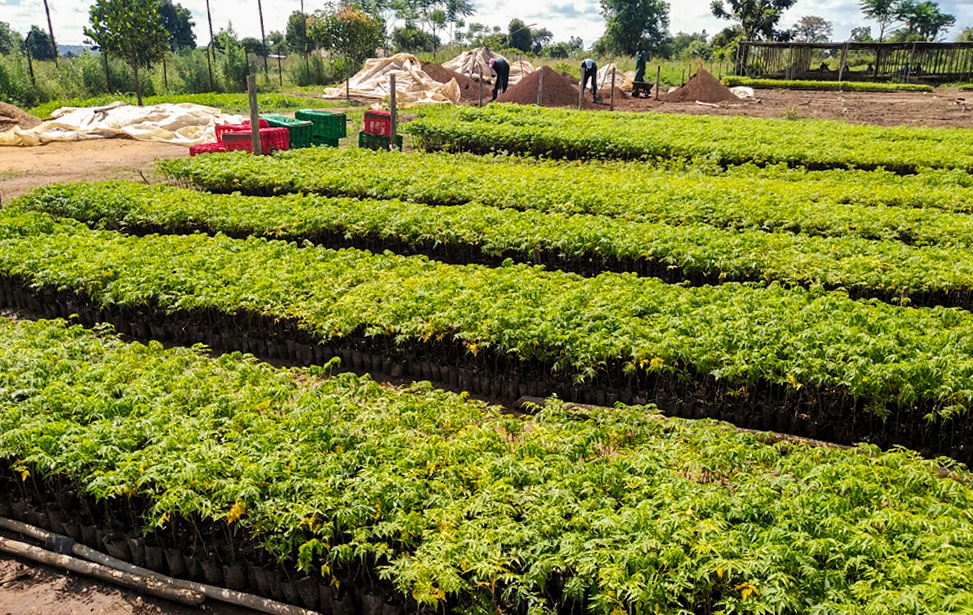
{"points": [[377, 132], [299, 131], [326, 127]]}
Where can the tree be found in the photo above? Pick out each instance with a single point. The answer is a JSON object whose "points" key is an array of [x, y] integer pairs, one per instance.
{"points": [[631, 22], [565, 49], [348, 31], [519, 35], [296, 36], [965, 36], [132, 30], [255, 46], [411, 39], [10, 41], [39, 43], [757, 18], [178, 22], [676, 45], [813, 29], [540, 38], [437, 20], [456, 10], [883, 12], [924, 19], [861, 34]]}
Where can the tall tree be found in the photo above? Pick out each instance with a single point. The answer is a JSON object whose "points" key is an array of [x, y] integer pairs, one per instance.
{"points": [[965, 36], [861, 34], [39, 43], [296, 35], [132, 30], [924, 19], [631, 22], [50, 28], [813, 29], [178, 22], [347, 30], [757, 18], [518, 35], [10, 41], [884, 12], [456, 10]]}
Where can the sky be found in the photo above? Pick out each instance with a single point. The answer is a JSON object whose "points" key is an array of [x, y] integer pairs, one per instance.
{"points": [[564, 18]]}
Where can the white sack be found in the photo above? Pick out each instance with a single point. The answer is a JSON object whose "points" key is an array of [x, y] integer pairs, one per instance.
{"points": [[477, 62], [412, 85]]}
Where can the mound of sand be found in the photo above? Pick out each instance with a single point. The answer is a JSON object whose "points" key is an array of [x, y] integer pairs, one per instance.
{"points": [[558, 90], [703, 87], [468, 88], [11, 116]]}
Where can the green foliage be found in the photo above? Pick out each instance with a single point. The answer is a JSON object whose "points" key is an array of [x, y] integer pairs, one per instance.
{"points": [[412, 39], [178, 23], [888, 268], [519, 36], [231, 103], [464, 503], [847, 86], [743, 335], [347, 31], [563, 133], [40, 45], [296, 35], [813, 29], [10, 41], [130, 29], [757, 18], [631, 22]]}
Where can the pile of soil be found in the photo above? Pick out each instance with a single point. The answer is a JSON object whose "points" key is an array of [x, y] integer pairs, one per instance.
{"points": [[467, 87], [702, 87], [558, 90], [11, 116]]}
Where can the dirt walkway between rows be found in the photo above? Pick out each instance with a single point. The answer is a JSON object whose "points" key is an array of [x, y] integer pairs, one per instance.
{"points": [[23, 168], [33, 589]]}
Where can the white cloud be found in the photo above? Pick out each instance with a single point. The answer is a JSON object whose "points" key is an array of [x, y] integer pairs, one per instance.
{"points": [[563, 17]]}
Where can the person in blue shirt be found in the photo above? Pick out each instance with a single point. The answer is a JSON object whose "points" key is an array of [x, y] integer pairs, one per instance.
{"points": [[502, 69], [589, 70]]}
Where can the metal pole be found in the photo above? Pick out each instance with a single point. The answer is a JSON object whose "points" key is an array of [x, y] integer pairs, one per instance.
{"points": [[395, 113], [612, 104], [658, 80], [254, 115], [540, 88]]}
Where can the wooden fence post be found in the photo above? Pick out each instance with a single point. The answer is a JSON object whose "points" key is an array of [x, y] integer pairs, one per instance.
{"points": [[395, 113], [254, 115]]}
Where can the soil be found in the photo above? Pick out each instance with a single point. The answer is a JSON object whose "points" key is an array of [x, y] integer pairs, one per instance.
{"points": [[11, 116], [702, 87], [24, 168], [27, 588], [467, 87], [558, 90]]}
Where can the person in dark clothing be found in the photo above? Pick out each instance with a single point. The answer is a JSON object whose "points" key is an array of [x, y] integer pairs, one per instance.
{"points": [[502, 69], [640, 57], [589, 70]]}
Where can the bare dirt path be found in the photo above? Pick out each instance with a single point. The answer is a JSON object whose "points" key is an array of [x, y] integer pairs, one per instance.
{"points": [[23, 168], [33, 589], [941, 108]]}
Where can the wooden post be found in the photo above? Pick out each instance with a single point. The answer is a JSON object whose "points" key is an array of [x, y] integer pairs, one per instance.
{"points": [[30, 61], [107, 72], [165, 73], [395, 113], [611, 106], [348, 89], [581, 91], [683, 77], [479, 71], [658, 80], [540, 88], [280, 70], [254, 115], [841, 65], [263, 39], [50, 28], [209, 65]]}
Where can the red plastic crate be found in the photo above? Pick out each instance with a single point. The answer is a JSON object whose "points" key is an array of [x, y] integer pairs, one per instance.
{"points": [[245, 126], [378, 123], [206, 148], [271, 140]]}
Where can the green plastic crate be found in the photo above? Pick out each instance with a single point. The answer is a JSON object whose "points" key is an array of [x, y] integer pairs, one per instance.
{"points": [[368, 141], [327, 125], [324, 142], [299, 131]]}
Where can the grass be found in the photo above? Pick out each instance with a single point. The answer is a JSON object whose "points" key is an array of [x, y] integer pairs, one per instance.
{"points": [[231, 103]]}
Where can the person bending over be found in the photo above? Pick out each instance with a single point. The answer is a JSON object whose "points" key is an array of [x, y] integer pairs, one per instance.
{"points": [[589, 70], [502, 69]]}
